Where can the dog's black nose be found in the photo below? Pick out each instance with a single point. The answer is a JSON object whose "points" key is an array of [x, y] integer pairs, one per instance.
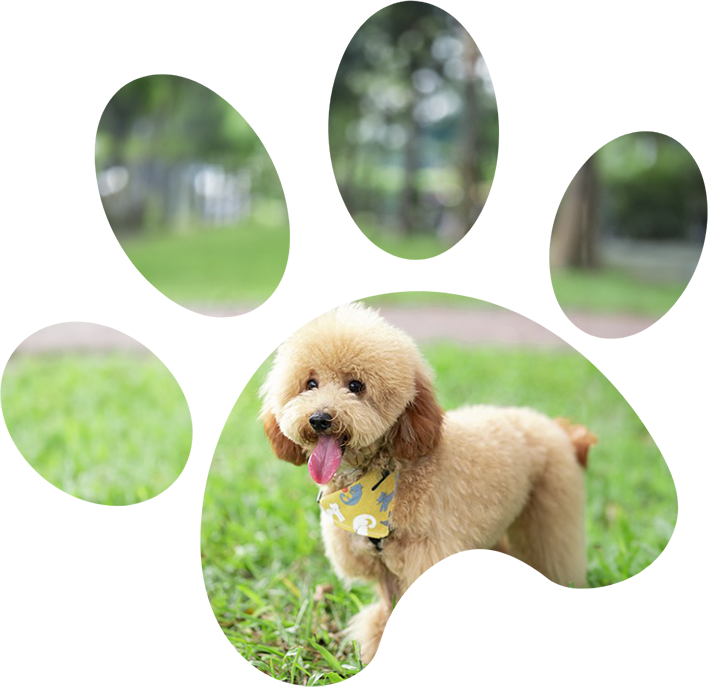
{"points": [[320, 421]]}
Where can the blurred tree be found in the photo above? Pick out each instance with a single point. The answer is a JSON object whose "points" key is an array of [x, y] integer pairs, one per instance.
{"points": [[575, 231], [415, 31], [654, 188], [144, 97], [375, 109], [165, 129], [410, 195], [413, 126], [105, 232], [584, 246], [174, 118], [341, 118], [470, 153]]}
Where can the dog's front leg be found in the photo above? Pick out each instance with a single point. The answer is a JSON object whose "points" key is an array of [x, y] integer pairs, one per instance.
{"points": [[367, 626], [388, 588], [407, 558], [353, 557], [404, 560]]}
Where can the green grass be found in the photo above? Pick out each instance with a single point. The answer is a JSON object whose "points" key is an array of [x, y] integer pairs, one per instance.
{"points": [[420, 299], [616, 291], [255, 265], [115, 429], [108, 428], [416, 247]]}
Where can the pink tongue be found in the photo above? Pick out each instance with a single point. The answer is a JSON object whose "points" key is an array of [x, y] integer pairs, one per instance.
{"points": [[325, 459]]}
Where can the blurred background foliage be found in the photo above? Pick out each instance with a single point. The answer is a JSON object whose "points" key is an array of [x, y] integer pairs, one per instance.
{"points": [[414, 130], [196, 202], [185, 159], [651, 188]]}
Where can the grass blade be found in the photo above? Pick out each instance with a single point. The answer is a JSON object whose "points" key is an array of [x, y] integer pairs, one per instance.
{"points": [[330, 659]]}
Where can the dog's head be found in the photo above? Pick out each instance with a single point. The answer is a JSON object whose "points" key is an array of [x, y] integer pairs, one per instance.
{"points": [[345, 386]]}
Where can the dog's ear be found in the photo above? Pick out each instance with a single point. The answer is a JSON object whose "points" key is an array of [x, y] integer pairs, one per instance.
{"points": [[417, 432], [282, 446]]}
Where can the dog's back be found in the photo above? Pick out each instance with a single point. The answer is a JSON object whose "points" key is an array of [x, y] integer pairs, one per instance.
{"points": [[501, 424]]}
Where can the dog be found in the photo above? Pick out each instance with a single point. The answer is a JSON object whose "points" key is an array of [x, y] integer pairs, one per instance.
{"points": [[405, 484]]}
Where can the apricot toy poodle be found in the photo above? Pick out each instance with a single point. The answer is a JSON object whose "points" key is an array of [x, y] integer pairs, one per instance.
{"points": [[405, 484]]}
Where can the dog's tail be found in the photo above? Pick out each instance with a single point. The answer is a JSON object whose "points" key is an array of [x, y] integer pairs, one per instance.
{"points": [[581, 437]]}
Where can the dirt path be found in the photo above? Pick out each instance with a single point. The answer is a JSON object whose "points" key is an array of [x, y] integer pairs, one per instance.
{"points": [[492, 327]]}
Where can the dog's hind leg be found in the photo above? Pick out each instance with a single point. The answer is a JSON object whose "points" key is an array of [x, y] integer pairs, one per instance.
{"points": [[549, 535]]}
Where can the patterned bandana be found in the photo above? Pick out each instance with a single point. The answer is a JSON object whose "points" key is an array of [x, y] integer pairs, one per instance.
{"points": [[365, 506]]}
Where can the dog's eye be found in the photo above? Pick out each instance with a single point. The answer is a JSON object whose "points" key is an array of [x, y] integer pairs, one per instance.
{"points": [[311, 384], [355, 386]]}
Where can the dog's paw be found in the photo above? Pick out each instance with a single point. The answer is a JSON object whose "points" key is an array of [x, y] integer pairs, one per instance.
{"points": [[368, 628]]}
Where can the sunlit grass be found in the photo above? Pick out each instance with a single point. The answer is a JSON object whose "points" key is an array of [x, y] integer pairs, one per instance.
{"points": [[269, 583], [110, 428], [249, 266], [613, 290]]}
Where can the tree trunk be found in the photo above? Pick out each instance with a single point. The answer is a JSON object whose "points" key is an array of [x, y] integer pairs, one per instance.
{"points": [[575, 230], [584, 246], [410, 201], [470, 205], [103, 223], [587, 254], [410, 211], [345, 205]]}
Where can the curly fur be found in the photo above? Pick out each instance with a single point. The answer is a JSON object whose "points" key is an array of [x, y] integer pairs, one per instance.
{"points": [[477, 477]]}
